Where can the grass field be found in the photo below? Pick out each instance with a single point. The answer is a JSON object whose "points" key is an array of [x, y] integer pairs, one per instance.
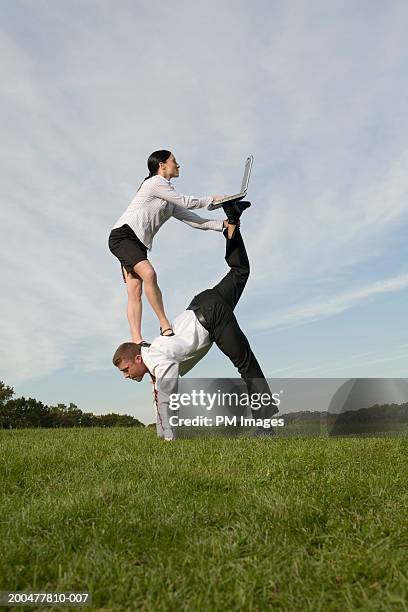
{"points": [[208, 524]]}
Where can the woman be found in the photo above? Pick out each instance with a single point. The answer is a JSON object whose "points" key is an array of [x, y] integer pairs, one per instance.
{"points": [[132, 236]]}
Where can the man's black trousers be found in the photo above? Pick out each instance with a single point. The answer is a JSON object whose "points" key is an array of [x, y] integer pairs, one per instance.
{"points": [[217, 305]]}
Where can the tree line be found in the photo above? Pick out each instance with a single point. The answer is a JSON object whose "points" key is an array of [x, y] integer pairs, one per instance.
{"points": [[21, 412]]}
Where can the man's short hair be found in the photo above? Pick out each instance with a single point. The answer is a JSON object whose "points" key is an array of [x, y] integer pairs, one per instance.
{"points": [[125, 352]]}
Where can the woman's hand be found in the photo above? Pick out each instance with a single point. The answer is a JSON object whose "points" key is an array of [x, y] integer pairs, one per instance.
{"points": [[226, 224]]}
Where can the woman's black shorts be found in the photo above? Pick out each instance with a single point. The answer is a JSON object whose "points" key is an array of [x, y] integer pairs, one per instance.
{"points": [[127, 247]]}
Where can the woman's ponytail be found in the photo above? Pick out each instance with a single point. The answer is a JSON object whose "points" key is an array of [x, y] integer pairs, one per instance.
{"points": [[153, 163]]}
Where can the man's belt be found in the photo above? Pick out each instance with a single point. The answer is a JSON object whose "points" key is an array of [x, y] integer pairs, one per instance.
{"points": [[199, 316]]}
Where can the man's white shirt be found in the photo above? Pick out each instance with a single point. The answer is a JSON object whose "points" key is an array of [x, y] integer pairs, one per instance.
{"points": [[169, 357]]}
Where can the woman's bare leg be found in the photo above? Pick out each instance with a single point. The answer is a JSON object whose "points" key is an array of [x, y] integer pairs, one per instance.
{"points": [[134, 306], [147, 273]]}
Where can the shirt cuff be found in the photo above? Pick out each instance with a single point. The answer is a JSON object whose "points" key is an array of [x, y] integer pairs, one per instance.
{"points": [[206, 201]]}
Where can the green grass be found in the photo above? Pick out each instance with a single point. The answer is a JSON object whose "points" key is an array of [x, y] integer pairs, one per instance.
{"points": [[206, 524]]}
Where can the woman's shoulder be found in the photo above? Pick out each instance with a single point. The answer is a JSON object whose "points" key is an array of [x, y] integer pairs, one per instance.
{"points": [[158, 179], [153, 181], [150, 188]]}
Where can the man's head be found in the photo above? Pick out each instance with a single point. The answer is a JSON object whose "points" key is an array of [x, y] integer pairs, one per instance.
{"points": [[129, 360]]}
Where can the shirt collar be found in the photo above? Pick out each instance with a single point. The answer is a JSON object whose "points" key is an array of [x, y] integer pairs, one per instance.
{"points": [[158, 176], [144, 350]]}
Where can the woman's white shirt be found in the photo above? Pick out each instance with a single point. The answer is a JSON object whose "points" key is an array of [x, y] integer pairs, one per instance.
{"points": [[157, 201]]}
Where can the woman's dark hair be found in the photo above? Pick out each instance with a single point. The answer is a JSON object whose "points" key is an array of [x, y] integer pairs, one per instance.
{"points": [[153, 163]]}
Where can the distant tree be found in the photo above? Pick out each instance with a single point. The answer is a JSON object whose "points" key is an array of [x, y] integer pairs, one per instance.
{"points": [[88, 420], [6, 393], [118, 420], [375, 419], [66, 416], [21, 412]]}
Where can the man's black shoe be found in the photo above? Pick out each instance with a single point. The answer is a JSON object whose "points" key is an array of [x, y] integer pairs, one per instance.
{"points": [[235, 209]]}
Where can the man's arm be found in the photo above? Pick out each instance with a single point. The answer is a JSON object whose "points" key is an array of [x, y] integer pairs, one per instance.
{"points": [[166, 374], [197, 222]]}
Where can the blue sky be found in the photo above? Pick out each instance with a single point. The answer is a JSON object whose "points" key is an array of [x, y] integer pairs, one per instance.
{"points": [[316, 91]]}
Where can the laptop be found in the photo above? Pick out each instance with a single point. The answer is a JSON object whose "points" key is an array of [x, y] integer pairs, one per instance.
{"points": [[244, 187]]}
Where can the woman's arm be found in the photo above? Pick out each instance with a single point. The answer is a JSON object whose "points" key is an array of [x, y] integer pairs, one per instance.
{"points": [[196, 221], [165, 191]]}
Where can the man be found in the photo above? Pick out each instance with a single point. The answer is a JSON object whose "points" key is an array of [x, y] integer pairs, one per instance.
{"points": [[209, 318]]}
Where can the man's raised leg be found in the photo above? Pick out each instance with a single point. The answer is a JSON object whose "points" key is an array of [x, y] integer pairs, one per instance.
{"points": [[232, 341], [232, 285]]}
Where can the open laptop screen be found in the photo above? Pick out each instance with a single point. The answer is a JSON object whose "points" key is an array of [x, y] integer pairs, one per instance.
{"points": [[247, 171]]}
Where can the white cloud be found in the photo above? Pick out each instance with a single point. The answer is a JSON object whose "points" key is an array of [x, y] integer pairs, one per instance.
{"points": [[327, 306], [354, 365]]}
